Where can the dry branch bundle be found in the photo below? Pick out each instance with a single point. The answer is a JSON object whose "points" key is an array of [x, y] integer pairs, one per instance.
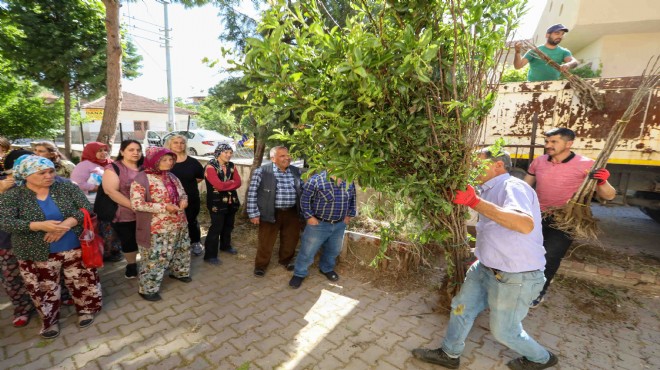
{"points": [[576, 217], [588, 94]]}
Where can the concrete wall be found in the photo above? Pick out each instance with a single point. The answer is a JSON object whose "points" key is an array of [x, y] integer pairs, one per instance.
{"points": [[620, 35], [627, 55]]}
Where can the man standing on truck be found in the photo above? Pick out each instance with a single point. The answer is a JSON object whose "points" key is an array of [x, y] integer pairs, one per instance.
{"points": [[557, 175], [539, 70]]}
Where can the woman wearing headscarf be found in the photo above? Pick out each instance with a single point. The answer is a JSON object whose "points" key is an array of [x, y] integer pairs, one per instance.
{"points": [[10, 275], [190, 172], [46, 149], [159, 200], [88, 175], [222, 180], [45, 220]]}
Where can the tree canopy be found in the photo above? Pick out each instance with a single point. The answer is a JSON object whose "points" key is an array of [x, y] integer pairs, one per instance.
{"points": [[394, 99], [23, 113], [60, 45]]}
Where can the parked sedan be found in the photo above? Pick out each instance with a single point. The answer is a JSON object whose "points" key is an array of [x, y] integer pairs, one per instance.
{"points": [[200, 142]]}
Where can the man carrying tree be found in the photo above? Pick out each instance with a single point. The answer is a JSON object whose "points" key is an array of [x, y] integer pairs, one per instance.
{"points": [[508, 273], [539, 70], [557, 175]]}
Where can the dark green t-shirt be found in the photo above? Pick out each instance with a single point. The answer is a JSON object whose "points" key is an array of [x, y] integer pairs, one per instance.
{"points": [[539, 70]]}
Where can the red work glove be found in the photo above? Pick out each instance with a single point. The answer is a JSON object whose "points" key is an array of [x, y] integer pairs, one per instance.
{"points": [[467, 197], [600, 174]]}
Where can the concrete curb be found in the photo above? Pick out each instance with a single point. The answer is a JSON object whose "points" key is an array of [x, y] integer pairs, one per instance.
{"points": [[628, 279]]}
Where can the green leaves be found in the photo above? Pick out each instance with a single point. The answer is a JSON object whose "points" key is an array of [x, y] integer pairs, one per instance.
{"points": [[393, 99]]}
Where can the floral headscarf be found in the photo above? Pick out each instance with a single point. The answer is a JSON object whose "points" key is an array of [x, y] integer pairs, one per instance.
{"points": [[27, 165], [214, 161], [151, 166], [89, 153]]}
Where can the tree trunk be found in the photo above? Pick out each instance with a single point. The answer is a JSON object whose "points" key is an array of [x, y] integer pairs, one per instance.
{"points": [[113, 96], [67, 119], [259, 149]]}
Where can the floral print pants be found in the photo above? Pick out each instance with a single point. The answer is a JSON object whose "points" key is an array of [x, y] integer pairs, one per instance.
{"points": [[13, 283], [170, 249], [42, 281]]}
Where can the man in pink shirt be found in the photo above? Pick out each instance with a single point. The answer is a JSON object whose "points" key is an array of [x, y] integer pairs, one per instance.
{"points": [[558, 175]]}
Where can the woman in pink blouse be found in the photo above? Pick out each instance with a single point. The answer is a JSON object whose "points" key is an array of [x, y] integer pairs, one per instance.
{"points": [[87, 175], [159, 201]]}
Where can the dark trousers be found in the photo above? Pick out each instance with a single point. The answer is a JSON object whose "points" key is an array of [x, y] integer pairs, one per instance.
{"points": [[222, 224], [126, 232], [287, 225], [556, 243], [192, 211]]}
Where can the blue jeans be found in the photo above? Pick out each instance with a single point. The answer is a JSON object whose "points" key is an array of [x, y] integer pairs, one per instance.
{"points": [[508, 296], [330, 236]]}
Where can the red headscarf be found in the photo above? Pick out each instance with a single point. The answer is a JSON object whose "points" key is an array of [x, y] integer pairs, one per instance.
{"points": [[89, 153], [151, 166]]}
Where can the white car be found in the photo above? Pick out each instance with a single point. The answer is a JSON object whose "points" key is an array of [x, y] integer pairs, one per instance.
{"points": [[200, 142]]}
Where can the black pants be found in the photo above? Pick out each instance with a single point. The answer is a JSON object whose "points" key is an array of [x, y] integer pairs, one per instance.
{"points": [[191, 215], [556, 243], [222, 224], [126, 231]]}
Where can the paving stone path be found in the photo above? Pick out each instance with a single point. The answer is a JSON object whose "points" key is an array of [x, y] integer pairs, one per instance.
{"points": [[228, 319]]}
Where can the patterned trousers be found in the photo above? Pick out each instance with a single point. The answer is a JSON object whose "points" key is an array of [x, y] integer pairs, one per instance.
{"points": [[42, 281], [169, 249], [13, 283]]}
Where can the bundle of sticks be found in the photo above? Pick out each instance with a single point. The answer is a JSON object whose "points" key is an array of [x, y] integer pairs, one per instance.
{"points": [[586, 92], [576, 217]]}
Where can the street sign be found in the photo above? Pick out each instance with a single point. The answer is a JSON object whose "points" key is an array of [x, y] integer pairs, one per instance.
{"points": [[94, 114]]}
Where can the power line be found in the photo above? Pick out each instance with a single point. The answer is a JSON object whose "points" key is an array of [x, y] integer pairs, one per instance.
{"points": [[141, 20], [144, 29], [145, 38]]}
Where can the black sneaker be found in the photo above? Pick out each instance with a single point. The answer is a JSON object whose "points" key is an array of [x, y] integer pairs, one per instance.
{"points": [[436, 356], [521, 363], [331, 275], [296, 281], [185, 279], [230, 250], [85, 320], [151, 297], [51, 332], [131, 271], [537, 302]]}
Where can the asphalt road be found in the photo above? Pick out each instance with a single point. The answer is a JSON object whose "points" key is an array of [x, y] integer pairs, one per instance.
{"points": [[628, 230]]}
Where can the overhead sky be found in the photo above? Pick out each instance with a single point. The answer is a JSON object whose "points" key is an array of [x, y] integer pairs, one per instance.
{"points": [[194, 33]]}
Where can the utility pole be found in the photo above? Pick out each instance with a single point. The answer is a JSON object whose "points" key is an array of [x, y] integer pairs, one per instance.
{"points": [[170, 98]]}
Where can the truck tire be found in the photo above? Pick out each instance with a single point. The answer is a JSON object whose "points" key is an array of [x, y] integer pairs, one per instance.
{"points": [[651, 212]]}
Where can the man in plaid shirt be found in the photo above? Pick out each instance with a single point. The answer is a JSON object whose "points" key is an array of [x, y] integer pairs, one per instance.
{"points": [[272, 203], [328, 204]]}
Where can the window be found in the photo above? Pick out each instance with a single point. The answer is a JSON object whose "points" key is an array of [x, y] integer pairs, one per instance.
{"points": [[140, 125]]}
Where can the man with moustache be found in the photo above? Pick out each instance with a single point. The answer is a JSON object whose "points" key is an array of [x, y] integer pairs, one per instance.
{"points": [[273, 202], [539, 70], [558, 175]]}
